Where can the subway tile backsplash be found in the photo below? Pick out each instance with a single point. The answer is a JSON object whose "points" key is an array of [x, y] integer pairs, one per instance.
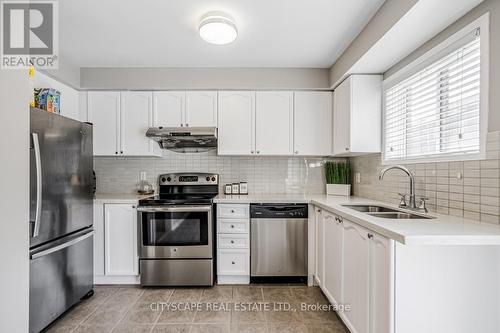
{"points": [[469, 189], [263, 174]]}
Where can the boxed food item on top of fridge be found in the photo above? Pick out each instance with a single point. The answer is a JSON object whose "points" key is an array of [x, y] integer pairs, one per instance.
{"points": [[48, 99]]}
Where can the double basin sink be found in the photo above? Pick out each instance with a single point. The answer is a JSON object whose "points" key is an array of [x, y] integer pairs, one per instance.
{"points": [[386, 213]]}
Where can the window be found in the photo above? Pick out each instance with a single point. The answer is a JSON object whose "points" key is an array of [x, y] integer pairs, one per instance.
{"points": [[435, 109]]}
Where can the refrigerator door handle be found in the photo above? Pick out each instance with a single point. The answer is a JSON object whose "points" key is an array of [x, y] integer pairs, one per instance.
{"points": [[38, 167], [62, 246]]}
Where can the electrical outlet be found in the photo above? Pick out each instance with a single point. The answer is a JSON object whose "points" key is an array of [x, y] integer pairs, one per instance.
{"points": [[459, 175], [142, 175], [357, 176]]}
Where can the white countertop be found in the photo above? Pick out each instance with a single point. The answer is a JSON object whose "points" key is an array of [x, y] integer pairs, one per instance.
{"points": [[119, 197], [442, 230]]}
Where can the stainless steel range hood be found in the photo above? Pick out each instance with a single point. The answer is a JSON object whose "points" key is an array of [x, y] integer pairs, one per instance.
{"points": [[184, 140]]}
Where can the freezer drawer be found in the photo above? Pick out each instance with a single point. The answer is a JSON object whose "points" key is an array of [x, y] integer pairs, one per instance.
{"points": [[278, 247], [61, 273]]}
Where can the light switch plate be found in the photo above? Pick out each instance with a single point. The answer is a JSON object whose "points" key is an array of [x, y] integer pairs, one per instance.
{"points": [[142, 175]]}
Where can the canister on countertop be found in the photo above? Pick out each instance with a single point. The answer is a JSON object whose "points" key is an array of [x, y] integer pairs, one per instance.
{"points": [[228, 189], [236, 188], [243, 188]]}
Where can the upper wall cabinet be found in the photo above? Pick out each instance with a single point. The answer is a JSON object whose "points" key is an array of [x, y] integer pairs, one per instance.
{"points": [[201, 108], [185, 109], [313, 123], [103, 110], [169, 108], [274, 123], [357, 116], [236, 123], [121, 120]]}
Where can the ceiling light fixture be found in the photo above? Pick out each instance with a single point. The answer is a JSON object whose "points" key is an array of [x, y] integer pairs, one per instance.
{"points": [[218, 28]]}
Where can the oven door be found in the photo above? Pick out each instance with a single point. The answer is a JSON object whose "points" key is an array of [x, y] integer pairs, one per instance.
{"points": [[175, 232]]}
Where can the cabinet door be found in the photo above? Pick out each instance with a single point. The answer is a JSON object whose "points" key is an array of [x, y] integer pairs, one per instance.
{"points": [[381, 284], [236, 123], [320, 248], [355, 277], [103, 110], [313, 123], [334, 233], [274, 123], [341, 121], [136, 117], [169, 108], [201, 109], [120, 229]]}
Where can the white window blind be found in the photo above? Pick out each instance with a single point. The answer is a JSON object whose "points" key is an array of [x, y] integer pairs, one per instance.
{"points": [[435, 110]]}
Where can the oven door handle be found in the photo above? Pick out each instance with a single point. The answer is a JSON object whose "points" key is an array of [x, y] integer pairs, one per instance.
{"points": [[173, 209]]}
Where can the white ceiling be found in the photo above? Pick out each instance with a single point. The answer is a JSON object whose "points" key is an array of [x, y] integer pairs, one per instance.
{"points": [[164, 33]]}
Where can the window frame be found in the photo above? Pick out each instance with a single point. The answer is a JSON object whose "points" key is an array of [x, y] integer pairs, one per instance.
{"points": [[424, 61]]}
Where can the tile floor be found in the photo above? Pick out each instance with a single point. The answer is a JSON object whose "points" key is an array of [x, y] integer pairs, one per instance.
{"points": [[128, 309]]}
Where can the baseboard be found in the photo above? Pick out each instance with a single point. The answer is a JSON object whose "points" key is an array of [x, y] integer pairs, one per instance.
{"points": [[233, 279], [107, 279]]}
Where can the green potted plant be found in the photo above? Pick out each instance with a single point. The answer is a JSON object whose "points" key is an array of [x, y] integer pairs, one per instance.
{"points": [[338, 178]]}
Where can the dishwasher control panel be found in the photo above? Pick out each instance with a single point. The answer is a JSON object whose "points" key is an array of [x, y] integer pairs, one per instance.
{"points": [[278, 210]]}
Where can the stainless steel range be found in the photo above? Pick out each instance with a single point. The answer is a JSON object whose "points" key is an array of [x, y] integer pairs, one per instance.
{"points": [[176, 231]]}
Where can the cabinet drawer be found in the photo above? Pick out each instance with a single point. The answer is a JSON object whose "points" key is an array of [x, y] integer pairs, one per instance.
{"points": [[233, 226], [233, 211], [233, 262], [233, 241]]}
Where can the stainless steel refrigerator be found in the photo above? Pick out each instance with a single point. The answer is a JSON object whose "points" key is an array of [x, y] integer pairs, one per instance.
{"points": [[61, 215]]}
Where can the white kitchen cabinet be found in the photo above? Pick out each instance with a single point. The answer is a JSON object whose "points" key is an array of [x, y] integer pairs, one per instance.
{"points": [[356, 276], [236, 123], [274, 123], [233, 262], [357, 116], [201, 109], [103, 111], [320, 248], [381, 284], [334, 233], [169, 108], [313, 112], [120, 123], [98, 240], [185, 108], [120, 240], [136, 116]]}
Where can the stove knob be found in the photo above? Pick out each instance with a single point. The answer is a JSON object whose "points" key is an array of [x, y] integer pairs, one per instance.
{"points": [[213, 179], [208, 179], [163, 179], [169, 179]]}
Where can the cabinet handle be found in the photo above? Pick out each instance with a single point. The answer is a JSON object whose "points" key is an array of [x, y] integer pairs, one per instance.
{"points": [[232, 226], [370, 236], [116, 153], [121, 152], [347, 149], [258, 152], [296, 152], [232, 262], [251, 151], [232, 241], [182, 125], [187, 125], [133, 207], [319, 210]]}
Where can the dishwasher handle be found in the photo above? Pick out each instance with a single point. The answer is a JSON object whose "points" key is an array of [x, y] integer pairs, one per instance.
{"points": [[278, 211]]}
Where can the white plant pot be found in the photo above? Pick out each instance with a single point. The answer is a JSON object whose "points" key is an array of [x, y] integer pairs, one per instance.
{"points": [[338, 189]]}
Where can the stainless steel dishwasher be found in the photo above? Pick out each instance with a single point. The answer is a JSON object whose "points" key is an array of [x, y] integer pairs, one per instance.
{"points": [[278, 240]]}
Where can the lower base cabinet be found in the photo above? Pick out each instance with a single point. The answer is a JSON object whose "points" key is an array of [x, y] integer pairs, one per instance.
{"points": [[115, 245], [357, 271]]}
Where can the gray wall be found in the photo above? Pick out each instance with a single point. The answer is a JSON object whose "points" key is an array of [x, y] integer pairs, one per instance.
{"points": [[14, 205], [204, 78], [387, 15], [492, 6]]}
